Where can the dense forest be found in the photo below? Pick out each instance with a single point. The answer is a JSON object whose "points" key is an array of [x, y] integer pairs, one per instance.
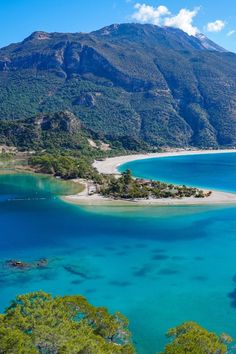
{"points": [[62, 131]]}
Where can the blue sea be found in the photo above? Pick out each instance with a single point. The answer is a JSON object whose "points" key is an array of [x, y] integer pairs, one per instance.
{"points": [[213, 171], [159, 266]]}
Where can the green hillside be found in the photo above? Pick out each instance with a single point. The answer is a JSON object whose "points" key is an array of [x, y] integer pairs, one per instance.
{"points": [[129, 81]]}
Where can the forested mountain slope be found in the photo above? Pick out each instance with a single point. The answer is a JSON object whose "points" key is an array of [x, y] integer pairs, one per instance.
{"points": [[144, 82]]}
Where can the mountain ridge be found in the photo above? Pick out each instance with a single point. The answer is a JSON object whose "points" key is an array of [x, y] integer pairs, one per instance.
{"points": [[155, 84]]}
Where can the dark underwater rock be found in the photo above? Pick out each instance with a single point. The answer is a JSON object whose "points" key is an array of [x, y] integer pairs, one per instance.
{"points": [[76, 271], [13, 263], [18, 264]]}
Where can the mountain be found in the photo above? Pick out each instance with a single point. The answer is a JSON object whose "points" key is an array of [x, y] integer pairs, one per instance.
{"points": [[208, 44], [55, 130], [146, 83], [62, 131]]}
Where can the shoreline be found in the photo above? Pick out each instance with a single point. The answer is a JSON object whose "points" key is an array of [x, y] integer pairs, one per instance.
{"points": [[216, 198], [110, 166]]}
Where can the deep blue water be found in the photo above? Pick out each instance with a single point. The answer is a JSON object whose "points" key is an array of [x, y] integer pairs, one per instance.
{"points": [[160, 266], [214, 171]]}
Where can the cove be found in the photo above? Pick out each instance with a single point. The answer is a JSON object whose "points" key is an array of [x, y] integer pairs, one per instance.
{"points": [[159, 266], [211, 171]]}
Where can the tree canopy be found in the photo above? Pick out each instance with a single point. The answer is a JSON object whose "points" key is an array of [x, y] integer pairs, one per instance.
{"points": [[126, 187], [38, 323], [193, 339]]}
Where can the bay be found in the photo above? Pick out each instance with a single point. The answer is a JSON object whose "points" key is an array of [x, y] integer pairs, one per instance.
{"points": [[213, 171]]}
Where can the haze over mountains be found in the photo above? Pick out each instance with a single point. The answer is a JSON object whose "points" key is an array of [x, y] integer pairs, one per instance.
{"points": [[153, 84]]}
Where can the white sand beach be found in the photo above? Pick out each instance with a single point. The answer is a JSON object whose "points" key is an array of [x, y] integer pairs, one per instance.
{"points": [[110, 165], [96, 199]]}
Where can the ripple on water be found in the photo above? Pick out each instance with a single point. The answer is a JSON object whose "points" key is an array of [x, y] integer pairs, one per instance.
{"points": [[178, 258], [232, 296], [121, 253], [143, 271], [77, 281], [158, 250], [200, 278], [140, 245], [90, 291], [120, 283], [160, 257], [198, 258], [168, 271]]}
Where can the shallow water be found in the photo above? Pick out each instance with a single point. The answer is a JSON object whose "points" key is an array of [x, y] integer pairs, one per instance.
{"points": [[158, 265]]}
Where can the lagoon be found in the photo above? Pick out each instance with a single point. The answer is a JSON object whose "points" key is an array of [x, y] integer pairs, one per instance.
{"points": [[159, 266], [210, 171]]}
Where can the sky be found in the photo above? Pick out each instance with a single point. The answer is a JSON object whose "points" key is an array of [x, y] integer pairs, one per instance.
{"points": [[214, 18]]}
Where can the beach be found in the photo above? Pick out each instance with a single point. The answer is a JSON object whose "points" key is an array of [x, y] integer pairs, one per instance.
{"points": [[110, 166], [96, 199]]}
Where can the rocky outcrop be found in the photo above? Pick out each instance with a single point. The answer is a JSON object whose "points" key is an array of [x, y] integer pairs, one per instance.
{"points": [[58, 122], [20, 265]]}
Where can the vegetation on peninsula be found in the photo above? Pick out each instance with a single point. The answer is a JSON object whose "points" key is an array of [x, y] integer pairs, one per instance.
{"points": [[126, 187], [59, 145]]}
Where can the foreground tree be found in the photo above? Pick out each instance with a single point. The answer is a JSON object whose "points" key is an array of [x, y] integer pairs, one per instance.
{"points": [[38, 323], [193, 339]]}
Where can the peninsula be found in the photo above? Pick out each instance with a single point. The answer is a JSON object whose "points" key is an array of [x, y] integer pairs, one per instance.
{"points": [[109, 166]]}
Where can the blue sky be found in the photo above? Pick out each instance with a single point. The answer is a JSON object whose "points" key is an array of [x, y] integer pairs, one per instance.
{"points": [[19, 18]]}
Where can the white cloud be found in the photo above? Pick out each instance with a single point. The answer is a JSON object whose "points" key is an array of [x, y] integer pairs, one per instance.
{"points": [[161, 16], [231, 33], [216, 26], [149, 14], [184, 21]]}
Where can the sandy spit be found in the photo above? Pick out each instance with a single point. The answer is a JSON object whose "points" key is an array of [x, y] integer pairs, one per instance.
{"points": [[110, 166]]}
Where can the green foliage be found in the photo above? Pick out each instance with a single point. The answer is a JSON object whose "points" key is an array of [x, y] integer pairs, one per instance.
{"points": [[193, 339], [128, 188], [60, 130], [65, 166], [63, 131], [6, 157], [14, 340], [39, 323]]}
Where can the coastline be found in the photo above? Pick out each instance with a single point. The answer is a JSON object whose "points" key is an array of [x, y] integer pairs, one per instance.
{"points": [[216, 198], [110, 166]]}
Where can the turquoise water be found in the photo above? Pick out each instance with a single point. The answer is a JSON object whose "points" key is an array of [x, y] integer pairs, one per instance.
{"points": [[215, 171], [158, 265]]}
